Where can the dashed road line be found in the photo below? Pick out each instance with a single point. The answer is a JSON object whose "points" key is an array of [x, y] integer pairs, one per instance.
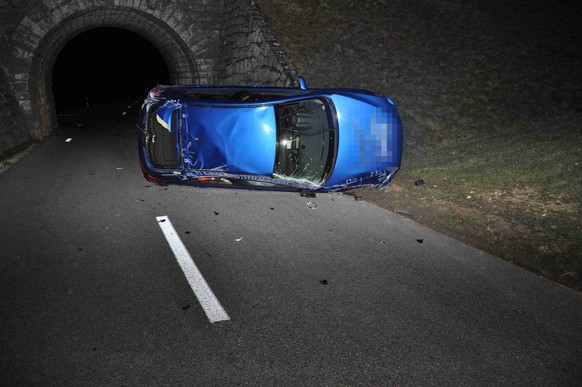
{"points": [[204, 294]]}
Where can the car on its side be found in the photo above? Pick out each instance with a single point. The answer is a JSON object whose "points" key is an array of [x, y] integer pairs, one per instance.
{"points": [[275, 138]]}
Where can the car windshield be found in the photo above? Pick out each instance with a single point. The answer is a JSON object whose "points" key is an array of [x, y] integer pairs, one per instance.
{"points": [[306, 141]]}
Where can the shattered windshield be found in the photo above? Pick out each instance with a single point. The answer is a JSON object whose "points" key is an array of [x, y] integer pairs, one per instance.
{"points": [[306, 141]]}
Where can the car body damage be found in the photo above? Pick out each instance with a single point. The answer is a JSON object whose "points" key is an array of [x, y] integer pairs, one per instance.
{"points": [[269, 138]]}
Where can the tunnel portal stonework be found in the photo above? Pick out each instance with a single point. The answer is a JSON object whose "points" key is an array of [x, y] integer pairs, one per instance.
{"points": [[213, 42]]}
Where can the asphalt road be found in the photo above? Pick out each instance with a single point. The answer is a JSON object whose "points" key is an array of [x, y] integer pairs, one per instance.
{"points": [[344, 293]]}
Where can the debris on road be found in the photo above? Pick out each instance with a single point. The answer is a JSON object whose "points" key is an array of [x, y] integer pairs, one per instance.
{"points": [[238, 239], [323, 282], [312, 205], [358, 198], [307, 194], [420, 240], [68, 139], [419, 182]]}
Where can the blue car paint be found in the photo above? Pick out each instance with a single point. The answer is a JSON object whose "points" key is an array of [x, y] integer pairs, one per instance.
{"points": [[370, 140], [237, 139]]}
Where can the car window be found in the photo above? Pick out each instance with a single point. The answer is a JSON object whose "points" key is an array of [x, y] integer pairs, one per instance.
{"points": [[162, 146], [306, 141], [243, 94], [256, 95]]}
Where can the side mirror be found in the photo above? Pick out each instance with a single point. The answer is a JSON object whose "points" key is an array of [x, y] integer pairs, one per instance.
{"points": [[302, 83]]}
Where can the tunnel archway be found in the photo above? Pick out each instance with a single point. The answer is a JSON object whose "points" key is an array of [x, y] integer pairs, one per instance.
{"points": [[170, 45], [104, 67]]}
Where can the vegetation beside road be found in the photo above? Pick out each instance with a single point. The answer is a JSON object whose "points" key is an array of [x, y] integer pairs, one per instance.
{"points": [[491, 101]]}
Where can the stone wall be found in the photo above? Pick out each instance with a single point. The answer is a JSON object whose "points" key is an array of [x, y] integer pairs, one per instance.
{"points": [[11, 121], [249, 52], [202, 41]]}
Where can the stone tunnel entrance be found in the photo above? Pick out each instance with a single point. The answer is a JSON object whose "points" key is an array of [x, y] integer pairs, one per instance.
{"points": [[222, 42], [102, 72], [85, 25]]}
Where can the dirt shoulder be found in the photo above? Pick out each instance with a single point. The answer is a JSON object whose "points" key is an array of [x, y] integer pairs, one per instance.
{"points": [[491, 101]]}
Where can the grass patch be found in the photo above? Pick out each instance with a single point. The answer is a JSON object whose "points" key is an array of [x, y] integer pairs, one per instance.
{"points": [[492, 123], [455, 219], [523, 191]]}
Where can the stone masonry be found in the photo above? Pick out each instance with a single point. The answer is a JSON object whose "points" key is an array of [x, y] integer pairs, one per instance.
{"points": [[213, 42]]}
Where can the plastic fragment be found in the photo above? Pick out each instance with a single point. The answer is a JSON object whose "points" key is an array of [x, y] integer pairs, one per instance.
{"points": [[323, 282], [312, 205], [238, 239], [68, 139], [216, 213], [185, 307], [420, 240]]}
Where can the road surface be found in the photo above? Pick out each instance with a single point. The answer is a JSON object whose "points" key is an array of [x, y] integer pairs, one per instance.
{"points": [[344, 293]]}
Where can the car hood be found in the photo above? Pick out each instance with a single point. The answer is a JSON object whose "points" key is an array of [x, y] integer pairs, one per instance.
{"points": [[370, 137], [233, 139]]}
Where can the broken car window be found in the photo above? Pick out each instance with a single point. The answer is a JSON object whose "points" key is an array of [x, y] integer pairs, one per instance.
{"points": [[306, 141]]}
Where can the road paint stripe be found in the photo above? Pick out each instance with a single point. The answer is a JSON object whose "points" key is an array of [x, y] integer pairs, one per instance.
{"points": [[206, 297]]}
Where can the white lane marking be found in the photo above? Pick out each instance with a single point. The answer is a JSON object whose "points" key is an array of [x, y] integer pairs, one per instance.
{"points": [[206, 297]]}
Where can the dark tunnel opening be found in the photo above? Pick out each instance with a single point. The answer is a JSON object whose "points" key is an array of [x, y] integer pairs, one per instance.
{"points": [[104, 74]]}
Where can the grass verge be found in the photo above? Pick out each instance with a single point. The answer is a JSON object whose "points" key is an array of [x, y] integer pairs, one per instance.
{"points": [[492, 113]]}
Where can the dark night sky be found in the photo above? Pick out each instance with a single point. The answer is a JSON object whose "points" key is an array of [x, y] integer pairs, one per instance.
{"points": [[105, 65]]}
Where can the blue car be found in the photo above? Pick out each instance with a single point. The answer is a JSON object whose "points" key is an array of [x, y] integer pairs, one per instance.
{"points": [[300, 139]]}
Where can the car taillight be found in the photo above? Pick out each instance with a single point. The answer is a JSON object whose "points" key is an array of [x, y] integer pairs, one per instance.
{"points": [[150, 178]]}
